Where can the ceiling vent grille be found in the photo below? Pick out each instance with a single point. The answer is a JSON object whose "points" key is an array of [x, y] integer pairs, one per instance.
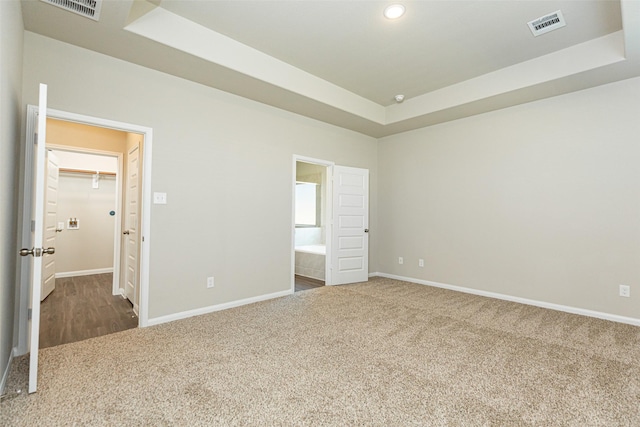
{"points": [[87, 8], [547, 23]]}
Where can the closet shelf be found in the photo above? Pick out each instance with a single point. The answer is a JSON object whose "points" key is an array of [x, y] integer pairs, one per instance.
{"points": [[88, 172]]}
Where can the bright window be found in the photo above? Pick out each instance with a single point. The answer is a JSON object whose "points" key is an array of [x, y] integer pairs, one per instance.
{"points": [[307, 204]]}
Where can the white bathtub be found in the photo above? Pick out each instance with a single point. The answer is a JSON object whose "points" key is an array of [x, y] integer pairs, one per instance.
{"points": [[310, 261], [312, 249]]}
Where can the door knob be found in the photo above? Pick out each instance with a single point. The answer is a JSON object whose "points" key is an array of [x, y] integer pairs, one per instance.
{"points": [[125, 232], [25, 252], [366, 230], [58, 230], [37, 252]]}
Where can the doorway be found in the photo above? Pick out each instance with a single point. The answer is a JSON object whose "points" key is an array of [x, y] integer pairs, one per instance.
{"points": [[333, 224], [144, 136], [310, 225], [85, 301]]}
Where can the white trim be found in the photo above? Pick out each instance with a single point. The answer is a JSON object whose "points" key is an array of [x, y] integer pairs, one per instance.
{"points": [[5, 374], [551, 306], [327, 220], [217, 307], [84, 272]]}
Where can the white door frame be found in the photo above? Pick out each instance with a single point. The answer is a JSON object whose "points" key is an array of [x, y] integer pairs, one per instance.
{"points": [[115, 289], [145, 243], [328, 193]]}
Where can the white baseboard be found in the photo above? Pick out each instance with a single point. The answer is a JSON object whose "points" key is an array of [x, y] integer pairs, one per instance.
{"points": [[5, 374], [84, 272], [217, 307], [558, 307]]}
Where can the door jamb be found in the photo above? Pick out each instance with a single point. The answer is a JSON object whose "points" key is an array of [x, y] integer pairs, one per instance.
{"points": [[145, 238], [327, 219]]}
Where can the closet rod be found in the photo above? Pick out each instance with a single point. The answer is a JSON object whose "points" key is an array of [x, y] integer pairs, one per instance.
{"points": [[86, 171]]}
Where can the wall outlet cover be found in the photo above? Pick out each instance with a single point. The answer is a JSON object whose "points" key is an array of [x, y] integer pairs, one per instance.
{"points": [[160, 198], [625, 291]]}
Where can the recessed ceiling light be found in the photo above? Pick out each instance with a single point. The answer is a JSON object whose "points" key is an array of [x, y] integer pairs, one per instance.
{"points": [[394, 11]]}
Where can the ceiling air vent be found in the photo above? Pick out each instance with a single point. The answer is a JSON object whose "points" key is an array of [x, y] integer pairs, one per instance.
{"points": [[547, 23], [87, 8]]}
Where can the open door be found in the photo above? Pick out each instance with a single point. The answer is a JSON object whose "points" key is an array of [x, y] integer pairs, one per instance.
{"points": [[350, 238], [131, 232], [37, 237], [50, 223]]}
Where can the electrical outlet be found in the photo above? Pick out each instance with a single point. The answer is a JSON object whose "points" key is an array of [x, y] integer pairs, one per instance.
{"points": [[625, 291], [159, 198], [420, 262], [400, 260], [210, 282]]}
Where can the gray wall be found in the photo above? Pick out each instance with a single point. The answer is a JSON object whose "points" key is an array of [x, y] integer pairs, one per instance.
{"points": [[226, 164], [537, 201], [10, 113]]}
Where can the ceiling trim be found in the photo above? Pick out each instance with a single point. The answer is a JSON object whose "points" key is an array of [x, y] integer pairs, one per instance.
{"points": [[599, 61], [187, 36], [576, 59]]}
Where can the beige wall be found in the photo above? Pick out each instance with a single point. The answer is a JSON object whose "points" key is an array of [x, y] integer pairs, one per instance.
{"points": [[10, 113], [308, 172], [77, 135], [224, 162], [538, 201], [90, 247]]}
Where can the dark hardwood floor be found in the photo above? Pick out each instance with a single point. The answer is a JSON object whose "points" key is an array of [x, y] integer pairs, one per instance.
{"points": [[82, 307], [306, 283]]}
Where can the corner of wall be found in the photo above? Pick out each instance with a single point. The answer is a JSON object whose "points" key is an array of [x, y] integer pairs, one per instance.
{"points": [[11, 58]]}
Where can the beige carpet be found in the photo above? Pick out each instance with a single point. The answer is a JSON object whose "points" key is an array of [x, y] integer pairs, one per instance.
{"points": [[385, 353]]}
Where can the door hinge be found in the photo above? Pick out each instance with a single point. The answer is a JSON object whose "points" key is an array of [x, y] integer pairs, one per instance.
{"points": [[33, 225], [29, 314]]}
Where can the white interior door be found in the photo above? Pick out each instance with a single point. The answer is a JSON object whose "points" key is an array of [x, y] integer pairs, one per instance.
{"points": [[132, 208], [350, 238], [36, 250], [50, 224]]}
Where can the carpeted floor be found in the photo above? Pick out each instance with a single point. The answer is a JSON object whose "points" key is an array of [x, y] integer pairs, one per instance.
{"points": [[384, 353]]}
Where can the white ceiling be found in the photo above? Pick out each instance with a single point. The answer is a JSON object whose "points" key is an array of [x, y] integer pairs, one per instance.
{"points": [[342, 62]]}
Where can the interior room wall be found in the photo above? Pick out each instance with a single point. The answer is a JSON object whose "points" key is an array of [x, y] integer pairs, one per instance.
{"points": [[225, 163], [69, 134], [538, 201], [10, 114], [88, 249]]}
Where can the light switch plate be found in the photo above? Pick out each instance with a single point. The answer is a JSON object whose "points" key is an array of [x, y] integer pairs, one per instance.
{"points": [[160, 198]]}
